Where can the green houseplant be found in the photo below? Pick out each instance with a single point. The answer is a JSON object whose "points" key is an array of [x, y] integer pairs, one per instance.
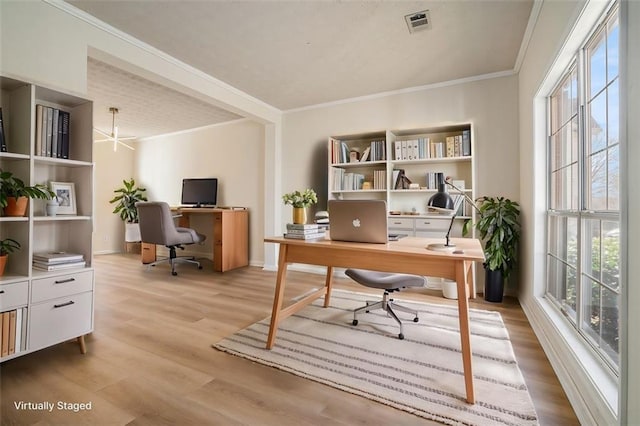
{"points": [[14, 194], [8, 245], [125, 206], [300, 200], [499, 227]]}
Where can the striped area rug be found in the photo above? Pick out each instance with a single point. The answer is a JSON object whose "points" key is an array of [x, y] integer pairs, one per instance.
{"points": [[421, 374]]}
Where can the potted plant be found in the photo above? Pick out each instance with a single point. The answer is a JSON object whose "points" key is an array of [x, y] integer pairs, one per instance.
{"points": [[300, 201], [8, 245], [125, 200], [15, 194], [499, 228]]}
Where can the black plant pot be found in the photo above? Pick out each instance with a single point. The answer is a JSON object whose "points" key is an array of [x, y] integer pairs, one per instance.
{"points": [[493, 285]]}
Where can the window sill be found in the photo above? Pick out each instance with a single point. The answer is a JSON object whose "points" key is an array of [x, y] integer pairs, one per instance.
{"points": [[589, 384]]}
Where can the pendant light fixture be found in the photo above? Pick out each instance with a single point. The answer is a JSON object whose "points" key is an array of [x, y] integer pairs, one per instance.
{"points": [[113, 137]]}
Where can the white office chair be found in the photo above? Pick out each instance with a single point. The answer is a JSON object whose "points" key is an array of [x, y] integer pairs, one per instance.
{"points": [[157, 227]]}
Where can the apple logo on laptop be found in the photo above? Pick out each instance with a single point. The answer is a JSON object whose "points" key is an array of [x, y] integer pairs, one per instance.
{"points": [[356, 223]]}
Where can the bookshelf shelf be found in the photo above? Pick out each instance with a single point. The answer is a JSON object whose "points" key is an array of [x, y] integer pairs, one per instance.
{"points": [[39, 299], [420, 153]]}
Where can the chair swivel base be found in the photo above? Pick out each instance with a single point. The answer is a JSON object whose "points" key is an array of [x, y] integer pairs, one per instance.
{"points": [[173, 259], [387, 305]]}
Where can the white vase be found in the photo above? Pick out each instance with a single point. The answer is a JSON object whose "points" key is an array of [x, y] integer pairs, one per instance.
{"points": [[132, 232], [51, 208]]}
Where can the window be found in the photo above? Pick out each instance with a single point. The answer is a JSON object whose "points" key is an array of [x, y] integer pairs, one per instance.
{"points": [[583, 217]]}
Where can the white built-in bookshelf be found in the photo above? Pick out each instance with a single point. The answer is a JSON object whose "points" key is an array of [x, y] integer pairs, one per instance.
{"points": [[52, 306], [366, 165]]}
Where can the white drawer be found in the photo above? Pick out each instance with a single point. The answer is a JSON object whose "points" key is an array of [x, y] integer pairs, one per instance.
{"points": [[400, 223], [14, 295], [427, 224], [55, 321], [61, 285]]}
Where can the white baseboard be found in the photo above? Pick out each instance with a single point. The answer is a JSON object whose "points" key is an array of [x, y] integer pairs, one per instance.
{"points": [[590, 387]]}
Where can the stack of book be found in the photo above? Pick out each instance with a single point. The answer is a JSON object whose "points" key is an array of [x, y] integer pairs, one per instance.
{"points": [[308, 231], [57, 260]]}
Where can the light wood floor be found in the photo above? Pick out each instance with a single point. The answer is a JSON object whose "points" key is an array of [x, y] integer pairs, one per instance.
{"points": [[150, 359]]}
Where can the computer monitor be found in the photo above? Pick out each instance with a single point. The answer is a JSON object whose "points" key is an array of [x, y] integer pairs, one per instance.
{"points": [[200, 192]]}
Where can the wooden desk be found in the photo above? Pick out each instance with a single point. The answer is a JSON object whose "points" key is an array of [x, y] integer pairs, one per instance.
{"points": [[407, 255], [230, 231]]}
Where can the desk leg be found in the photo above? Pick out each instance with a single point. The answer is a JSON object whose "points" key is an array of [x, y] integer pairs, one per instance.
{"points": [[328, 284], [277, 298], [465, 336]]}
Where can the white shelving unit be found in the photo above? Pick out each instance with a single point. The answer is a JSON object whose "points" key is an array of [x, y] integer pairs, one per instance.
{"points": [[55, 306], [410, 204]]}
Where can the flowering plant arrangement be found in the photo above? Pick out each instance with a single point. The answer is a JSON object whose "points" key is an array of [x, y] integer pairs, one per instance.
{"points": [[300, 199]]}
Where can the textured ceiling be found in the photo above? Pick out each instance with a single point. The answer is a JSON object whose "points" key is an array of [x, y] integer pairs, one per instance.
{"points": [[292, 54], [145, 108]]}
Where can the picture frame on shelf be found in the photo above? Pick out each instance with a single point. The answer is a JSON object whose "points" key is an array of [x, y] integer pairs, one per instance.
{"points": [[66, 196]]}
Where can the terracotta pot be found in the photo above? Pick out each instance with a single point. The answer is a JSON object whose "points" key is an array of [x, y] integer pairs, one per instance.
{"points": [[299, 215], [16, 207], [3, 263]]}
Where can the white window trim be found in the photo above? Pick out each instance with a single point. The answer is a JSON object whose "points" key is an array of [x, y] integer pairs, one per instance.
{"points": [[589, 385]]}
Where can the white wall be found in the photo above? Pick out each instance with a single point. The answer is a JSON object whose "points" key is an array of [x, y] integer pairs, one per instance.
{"points": [[232, 152], [111, 168], [490, 104], [35, 34]]}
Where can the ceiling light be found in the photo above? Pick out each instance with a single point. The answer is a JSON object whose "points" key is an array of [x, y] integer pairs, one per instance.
{"points": [[113, 137], [418, 21]]}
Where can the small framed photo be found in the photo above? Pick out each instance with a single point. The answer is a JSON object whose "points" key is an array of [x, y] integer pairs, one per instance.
{"points": [[66, 196]]}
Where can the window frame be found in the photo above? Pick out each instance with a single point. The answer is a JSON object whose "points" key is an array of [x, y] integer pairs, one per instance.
{"points": [[582, 214]]}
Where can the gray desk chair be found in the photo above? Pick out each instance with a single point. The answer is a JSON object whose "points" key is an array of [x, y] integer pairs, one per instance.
{"points": [[157, 227], [389, 283]]}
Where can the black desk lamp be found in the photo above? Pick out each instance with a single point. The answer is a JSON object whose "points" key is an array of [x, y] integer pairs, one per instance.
{"points": [[442, 202]]}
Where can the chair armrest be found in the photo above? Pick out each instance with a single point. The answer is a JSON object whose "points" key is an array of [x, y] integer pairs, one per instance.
{"points": [[194, 234]]}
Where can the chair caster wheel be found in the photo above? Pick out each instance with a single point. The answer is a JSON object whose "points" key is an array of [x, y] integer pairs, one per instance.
{"points": [[174, 273], [200, 267], [354, 322], [401, 336], [415, 319]]}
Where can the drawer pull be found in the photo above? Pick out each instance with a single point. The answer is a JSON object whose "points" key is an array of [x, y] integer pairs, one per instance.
{"points": [[426, 223], [68, 280], [1, 291], [397, 223], [62, 305]]}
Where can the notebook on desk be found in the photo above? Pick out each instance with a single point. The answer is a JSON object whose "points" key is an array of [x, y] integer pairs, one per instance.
{"points": [[363, 221]]}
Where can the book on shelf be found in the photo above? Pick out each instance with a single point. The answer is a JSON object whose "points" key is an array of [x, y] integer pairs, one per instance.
{"points": [[12, 332], [38, 134], [64, 134], [49, 131], [466, 143], [4, 349], [43, 266], [52, 132], [3, 142], [43, 133], [53, 257]]}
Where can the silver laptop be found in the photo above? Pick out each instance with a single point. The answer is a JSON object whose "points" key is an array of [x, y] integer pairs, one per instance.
{"points": [[363, 221]]}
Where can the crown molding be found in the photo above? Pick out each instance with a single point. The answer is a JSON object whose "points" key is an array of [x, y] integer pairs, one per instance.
{"points": [[103, 26], [465, 80]]}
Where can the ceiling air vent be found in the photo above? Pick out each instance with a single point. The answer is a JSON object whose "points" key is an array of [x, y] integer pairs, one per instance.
{"points": [[418, 21]]}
